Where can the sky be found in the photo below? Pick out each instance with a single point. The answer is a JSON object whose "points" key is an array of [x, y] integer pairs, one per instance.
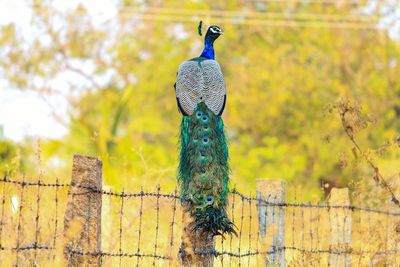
{"points": [[22, 113]]}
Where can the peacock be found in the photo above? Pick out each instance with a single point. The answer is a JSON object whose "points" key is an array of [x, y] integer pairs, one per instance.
{"points": [[203, 172]]}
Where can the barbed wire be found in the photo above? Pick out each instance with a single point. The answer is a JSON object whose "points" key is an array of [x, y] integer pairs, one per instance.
{"points": [[91, 189], [120, 255], [268, 201], [240, 250]]}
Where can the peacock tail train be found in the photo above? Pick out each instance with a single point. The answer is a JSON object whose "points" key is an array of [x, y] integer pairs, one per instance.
{"points": [[203, 171]]}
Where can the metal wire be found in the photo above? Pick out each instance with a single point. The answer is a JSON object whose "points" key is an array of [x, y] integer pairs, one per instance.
{"points": [[19, 228], [37, 217], [3, 202], [248, 18], [155, 245]]}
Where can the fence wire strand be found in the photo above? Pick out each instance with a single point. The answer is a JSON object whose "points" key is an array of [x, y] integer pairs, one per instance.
{"points": [[147, 230]]}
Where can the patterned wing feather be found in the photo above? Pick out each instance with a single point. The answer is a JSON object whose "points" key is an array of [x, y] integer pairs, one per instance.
{"points": [[188, 86], [200, 81], [214, 89]]}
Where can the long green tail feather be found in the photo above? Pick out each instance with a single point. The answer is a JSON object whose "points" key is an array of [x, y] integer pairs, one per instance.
{"points": [[204, 171]]}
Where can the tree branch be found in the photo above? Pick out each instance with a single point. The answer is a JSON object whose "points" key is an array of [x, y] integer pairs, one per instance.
{"points": [[378, 177]]}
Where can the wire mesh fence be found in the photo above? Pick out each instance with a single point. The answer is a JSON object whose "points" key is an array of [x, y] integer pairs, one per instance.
{"points": [[145, 229]]}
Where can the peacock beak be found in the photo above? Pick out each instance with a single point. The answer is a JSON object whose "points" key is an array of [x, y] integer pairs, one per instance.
{"points": [[221, 31]]}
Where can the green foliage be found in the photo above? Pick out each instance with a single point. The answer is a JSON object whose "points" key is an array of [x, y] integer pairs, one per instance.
{"points": [[7, 155], [279, 82], [17, 158]]}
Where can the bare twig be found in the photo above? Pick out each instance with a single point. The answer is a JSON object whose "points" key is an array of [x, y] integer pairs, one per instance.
{"points": [[343, 111]]}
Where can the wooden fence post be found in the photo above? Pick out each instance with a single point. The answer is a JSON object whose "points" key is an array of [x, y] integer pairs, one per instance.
{"points": [[195, 241], [340, 224], [272, 217], [393, 238], [82, 221]]}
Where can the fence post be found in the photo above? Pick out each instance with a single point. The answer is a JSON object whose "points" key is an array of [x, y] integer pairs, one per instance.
{"points": [[193, 241], [393, 238], [272, 217], [82, 221], [340, 225]]}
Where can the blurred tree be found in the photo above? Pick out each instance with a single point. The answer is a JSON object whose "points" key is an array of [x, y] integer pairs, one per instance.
{"points": [[280, 79], [7, 154], [16, 158]]}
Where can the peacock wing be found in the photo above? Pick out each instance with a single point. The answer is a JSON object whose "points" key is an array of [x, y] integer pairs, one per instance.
{"points": [[189, 85], [214, 88], [200, 81]]}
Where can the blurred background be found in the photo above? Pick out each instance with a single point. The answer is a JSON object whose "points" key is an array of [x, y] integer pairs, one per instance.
{"points": [[96, 78]]}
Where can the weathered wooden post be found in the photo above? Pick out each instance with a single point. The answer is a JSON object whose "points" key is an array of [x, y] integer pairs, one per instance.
{"points": [[194, 242], [340, 225], [82, 221], [272, 217], [393, 238]]}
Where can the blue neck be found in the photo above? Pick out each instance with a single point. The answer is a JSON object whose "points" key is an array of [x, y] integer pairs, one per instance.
{"points": [[208, 51]]}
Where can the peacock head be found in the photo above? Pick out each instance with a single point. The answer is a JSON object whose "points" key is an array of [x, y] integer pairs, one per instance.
{"points": [[213, 32]]}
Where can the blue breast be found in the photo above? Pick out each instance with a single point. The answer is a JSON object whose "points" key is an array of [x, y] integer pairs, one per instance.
{"points": [[208, 51]]}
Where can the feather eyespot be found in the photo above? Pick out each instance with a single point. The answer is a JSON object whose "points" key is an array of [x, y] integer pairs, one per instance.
{"points": [[204, 118], [209, 199], [198, 114], [205, 140]]}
